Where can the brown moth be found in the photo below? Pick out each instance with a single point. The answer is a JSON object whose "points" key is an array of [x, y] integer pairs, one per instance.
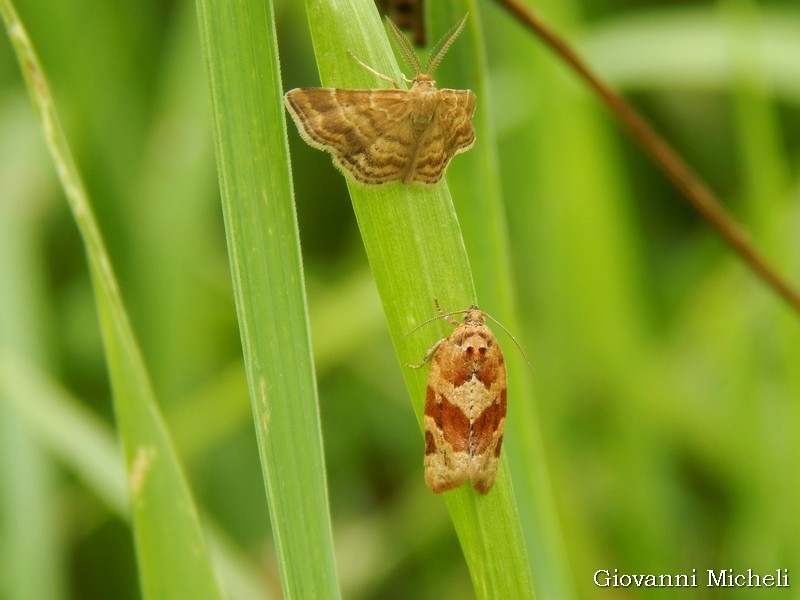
{"points": [[383, 135], [465, 405]]}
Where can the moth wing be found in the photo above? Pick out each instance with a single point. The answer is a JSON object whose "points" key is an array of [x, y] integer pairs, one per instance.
{"points": [[450, 133], [483, 465], [447, 460], [431, 158], [368, 132], [487, 429], [456, 108], [445, 467]]}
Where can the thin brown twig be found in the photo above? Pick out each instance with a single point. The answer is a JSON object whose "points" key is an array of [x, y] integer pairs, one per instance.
{"points": [[693, 188]]}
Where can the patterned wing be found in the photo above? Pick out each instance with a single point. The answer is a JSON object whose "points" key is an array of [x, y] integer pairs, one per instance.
{"points": [[447, 459], [367, 131], [449, 133], [487, 432], [488, 416], [457, 107]]}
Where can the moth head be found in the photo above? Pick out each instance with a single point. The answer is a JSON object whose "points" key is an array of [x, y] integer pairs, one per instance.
{"points": [[472, 316], [424, 80]]}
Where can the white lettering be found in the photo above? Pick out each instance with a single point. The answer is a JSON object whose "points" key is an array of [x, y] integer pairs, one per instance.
{"points": [[718, 578], [714, 581], [682, 580], [604, 579], [608, 578]]}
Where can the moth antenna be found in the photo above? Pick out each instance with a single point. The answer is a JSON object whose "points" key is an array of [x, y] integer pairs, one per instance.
{"points": [[373, 71], [444, 315], [443, 45], [513, 339], [432, 319], [405, 46]]}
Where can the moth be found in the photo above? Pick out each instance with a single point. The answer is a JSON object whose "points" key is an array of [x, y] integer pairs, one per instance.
{"points": [[382, 135], [465, 404]]}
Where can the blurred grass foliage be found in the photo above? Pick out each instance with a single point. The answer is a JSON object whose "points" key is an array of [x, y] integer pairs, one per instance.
{"points": [[666, 380], [171, 550]]}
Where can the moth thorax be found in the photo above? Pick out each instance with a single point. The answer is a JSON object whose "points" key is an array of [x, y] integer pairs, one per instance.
{"points": [[425, 109], [475, 346]]}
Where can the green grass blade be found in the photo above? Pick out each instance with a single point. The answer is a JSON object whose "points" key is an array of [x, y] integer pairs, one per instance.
{"points": [[85, 445], [474, 179], [173, 558], [416, 252], [250, 136], [32, 559]]}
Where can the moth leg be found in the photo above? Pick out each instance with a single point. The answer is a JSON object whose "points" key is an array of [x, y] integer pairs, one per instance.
{"points": [[377, 74], [428, 355], [449, 318]]}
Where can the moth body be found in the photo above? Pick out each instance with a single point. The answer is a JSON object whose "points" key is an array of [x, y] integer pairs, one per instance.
{"points": [[383, 135], [465, 407]]}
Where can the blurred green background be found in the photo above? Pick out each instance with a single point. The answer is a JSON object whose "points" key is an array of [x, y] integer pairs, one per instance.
{"points": [[667, 378]]}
